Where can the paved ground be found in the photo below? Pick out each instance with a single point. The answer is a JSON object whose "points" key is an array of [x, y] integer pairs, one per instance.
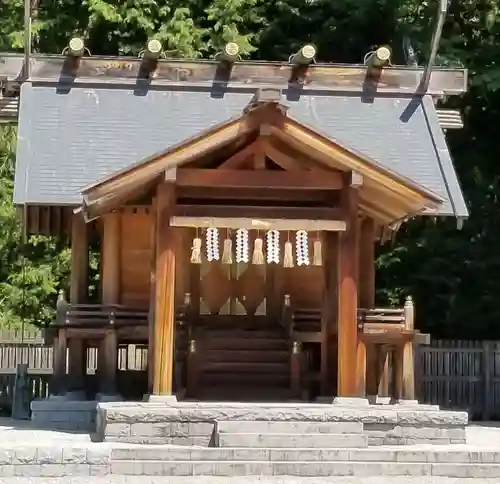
{"points": [[245, 480]]}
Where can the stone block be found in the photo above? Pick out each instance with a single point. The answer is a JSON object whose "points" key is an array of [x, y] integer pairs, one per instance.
{"points": [[271, 440], [474, 471], [290, 427], [49, 455]]}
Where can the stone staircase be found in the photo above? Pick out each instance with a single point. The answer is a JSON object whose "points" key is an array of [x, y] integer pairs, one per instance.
{"points": [[313, 435], [304, 462], [303, 440]]}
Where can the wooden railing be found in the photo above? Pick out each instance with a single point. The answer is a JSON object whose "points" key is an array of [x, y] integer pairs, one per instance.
{"points": [[92, 315], [399, 319]]}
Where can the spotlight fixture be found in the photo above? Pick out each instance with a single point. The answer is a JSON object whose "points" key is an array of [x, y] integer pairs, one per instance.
{"points": [[153, 49], [230, 52], [76, 47], [304, 56], [380, 57]]}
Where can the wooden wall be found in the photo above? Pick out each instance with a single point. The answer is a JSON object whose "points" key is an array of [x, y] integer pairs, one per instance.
{"points": [[304, 284], [135, 258]]}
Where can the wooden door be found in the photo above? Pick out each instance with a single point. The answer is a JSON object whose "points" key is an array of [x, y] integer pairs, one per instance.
{"points": [[238, 289]]}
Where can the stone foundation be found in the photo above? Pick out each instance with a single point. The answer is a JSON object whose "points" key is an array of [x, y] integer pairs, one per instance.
{"points": [[195, 423], [60, 413]]}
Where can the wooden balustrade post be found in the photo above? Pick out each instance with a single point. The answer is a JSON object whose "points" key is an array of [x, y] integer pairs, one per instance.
{"points": [[408, 370], [59, 351], [295, 371]]}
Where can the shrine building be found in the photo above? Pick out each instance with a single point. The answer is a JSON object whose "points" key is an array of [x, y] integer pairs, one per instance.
{"points": [[235, 207]]}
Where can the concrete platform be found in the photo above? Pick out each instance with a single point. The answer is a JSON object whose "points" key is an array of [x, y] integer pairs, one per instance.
{"points": [[195, 423]]}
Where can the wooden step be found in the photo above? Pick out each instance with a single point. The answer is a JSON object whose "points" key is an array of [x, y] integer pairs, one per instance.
{"points": [[241, 333], [245, 343], [249, 394], [245, 367], [269, 356], [221, 378]]}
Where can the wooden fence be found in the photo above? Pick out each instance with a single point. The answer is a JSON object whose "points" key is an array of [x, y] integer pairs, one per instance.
{"points": [[452, 374]]}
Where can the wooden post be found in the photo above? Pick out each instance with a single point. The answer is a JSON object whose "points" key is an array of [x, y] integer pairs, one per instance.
{"points": [[329, 312], [59, 364], [367, 299], [348, 298], [408, 383], [152, 299], [165, 291], [79, 260], [110, 287], [78, 295]]}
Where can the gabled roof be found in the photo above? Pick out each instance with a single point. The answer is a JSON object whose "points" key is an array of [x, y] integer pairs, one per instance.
{"points": [[70, 140], [386, 195]]}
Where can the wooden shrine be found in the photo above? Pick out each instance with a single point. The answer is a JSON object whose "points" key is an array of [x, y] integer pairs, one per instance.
{"points": [[252, 264], [243, 253]]}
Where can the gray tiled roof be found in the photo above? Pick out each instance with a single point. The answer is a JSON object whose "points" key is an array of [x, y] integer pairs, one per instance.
{"points": [[67, 141]]}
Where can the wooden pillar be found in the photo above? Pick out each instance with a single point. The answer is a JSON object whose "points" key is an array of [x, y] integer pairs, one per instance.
{"points": [[110, 292], [329, 313], [348, 298], [59, 363], [78, 295], [152, 300], [367, 299], [79, 260], [164, 351]]}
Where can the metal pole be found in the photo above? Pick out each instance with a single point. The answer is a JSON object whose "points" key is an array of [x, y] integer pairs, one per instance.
{"points": [[426, 78], [27, 39]]}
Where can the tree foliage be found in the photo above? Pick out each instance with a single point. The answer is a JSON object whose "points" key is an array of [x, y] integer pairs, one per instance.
{"points": [[452, 274]]}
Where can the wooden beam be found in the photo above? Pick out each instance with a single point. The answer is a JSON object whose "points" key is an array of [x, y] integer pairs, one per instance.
{"points": [[240, 158], [164, 350], [347, 385], [257, 212], [249, 194], [258, 224], [244, 75], [281, 159], [79, 260], [304, 180], [259, 157]]}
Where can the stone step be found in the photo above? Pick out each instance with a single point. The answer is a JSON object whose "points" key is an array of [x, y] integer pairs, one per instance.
{"points": [[276, 440], [444, 456], [291, 427], [301, 468]]}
